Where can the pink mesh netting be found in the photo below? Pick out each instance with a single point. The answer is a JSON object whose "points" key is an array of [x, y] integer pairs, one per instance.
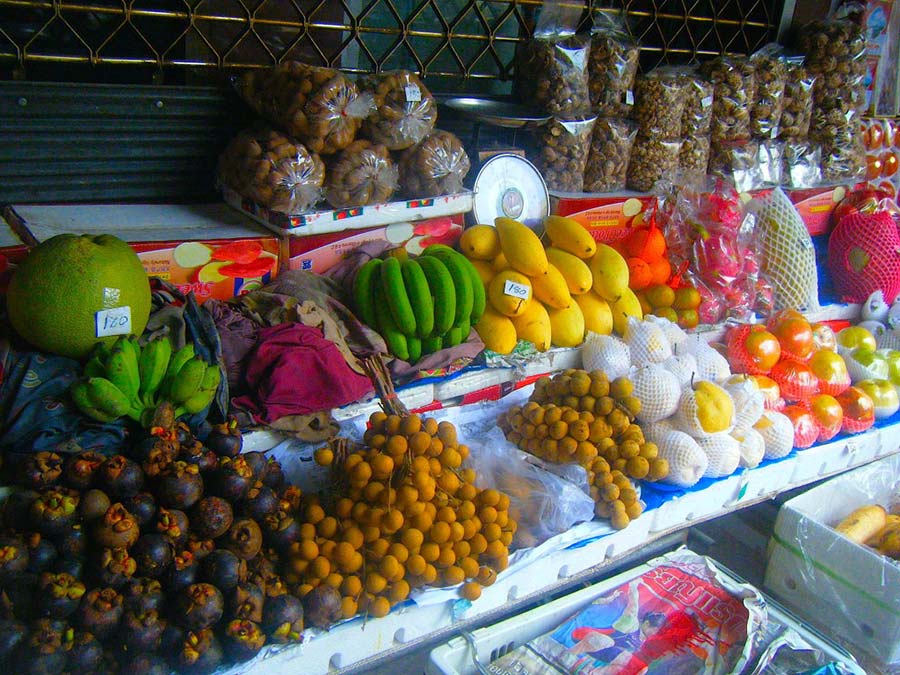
{"points": [[864, 256]]}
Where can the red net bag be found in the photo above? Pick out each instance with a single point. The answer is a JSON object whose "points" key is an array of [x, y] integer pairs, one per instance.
{"points": [[864, 256]]}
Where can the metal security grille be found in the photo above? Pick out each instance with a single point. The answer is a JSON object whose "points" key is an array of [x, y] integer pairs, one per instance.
{"points": [[458, 45]]}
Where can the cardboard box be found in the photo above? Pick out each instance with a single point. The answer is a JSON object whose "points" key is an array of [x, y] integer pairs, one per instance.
{"points": [[842, 587], [815, 206], [209, 249], [607, 216], [356, 218], [320, 252]]}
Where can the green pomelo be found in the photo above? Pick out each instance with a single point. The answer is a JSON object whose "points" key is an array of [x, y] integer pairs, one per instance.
{"points": [[55, 293]]}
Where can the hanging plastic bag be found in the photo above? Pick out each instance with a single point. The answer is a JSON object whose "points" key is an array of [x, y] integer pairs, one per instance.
{"points": [[736, 162], [797, 107], [802, 164], [652, 159], [612, 67], [735, 93], [693, 159], [770, 76], [436, 166], [563, 146], [698, 93], [273, 170], [659, 99], [362, 173], [404, 113], [610, 150]]}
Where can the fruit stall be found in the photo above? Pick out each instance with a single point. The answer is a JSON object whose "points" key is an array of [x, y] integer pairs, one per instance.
{"points": [[360, 356]]}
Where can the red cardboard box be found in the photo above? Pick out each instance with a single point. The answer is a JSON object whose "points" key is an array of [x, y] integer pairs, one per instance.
{"points": [[209, 249], [815, 206], [607, 217], [320, 252]]}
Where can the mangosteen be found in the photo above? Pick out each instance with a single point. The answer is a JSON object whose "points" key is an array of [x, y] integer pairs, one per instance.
{"points": [[99, 612], [245, 601], [153, 553], [113, 567], [141, 631], [43, 653], [289, 498], [71, 543], [12, 633], [121, 477], [283, 617], [322, 606], [174, 524], [280, 530], [80, 469], [183, 572], [141, 594], [274, 586], [199, 455], [211, 517], [85, 653], [257, 461], [94, 504], [41, 552], [17, 509], [143, 507], [13, 558], [273, 476], [259, 502], [54, 511], [223, 569], [244, 538], [117, 528], [199, 654], [242, 639], [179, 486], [59, 594], [225, 439], [200, 548], [41, 470], [183, 434], [261, 568], [231, 479], [146, 664], [150, 445], [157, 462], [197, 606]]}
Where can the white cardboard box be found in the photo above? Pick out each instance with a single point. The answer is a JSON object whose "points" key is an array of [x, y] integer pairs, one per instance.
{"points": [[844, 588]]}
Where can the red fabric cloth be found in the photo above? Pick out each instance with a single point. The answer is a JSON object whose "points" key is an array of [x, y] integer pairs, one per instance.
{"points": [[294, 370]]}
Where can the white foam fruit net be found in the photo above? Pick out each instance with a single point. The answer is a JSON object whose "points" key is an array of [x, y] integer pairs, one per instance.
{"points": [[752, 446], [787, 256], [777, 431], [723, 454], [658, 391], [646, 342], [606, 353], [687, 462]]}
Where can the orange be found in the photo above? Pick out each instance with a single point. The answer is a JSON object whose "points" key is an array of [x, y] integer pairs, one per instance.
{"points": [[660, 271], [639, 274]]}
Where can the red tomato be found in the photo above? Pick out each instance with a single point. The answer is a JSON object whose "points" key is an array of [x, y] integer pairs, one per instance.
{"points": [[795, 379], [752, 349], [889, 163], [795, 334], [874, 134], [829, 415], [874, 167], [806, 430], [859, 410]]}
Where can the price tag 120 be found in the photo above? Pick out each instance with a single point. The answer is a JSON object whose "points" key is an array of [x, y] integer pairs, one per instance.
{"points": [[115, 321], [520, 291]]}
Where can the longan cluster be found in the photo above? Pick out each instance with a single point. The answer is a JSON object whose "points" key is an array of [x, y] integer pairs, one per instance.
{"points": [[408, 515], [581, 417]]}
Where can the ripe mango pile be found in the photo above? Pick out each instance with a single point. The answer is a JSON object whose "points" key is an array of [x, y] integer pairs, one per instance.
{"points": [[547, 295]]}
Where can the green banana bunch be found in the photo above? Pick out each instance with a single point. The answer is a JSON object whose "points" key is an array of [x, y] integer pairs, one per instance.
{"points": [[190, 383], [153, 364]]}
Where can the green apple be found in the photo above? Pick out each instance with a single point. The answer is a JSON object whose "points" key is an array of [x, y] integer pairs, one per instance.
{"points": [[893, 359], [884, 396], [867, 364], [852, 337]]}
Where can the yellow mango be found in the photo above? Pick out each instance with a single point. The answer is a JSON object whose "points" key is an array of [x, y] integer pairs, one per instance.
{"points": [[610, 272], [496, 331], [479, 242], [627, 305], [533, 325], [598, 316], [551, 288], [575, 270], [566, 326], [570, 235], [521, 246], [509, 292], [485, 270], [499, 262]]}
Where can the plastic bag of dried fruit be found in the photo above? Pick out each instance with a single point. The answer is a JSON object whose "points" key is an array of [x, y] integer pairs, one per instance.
{"points": [[613, 65], [405, 111], [786, 254], [437, 165], [272, 169], [362, 173]]}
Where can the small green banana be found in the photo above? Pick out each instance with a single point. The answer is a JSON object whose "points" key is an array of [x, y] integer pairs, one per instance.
{"points": [[188, 381], [212, 376], [123, 372], [153, 363], [94, 367], [79, 393], [108, 398], [179, 358]]}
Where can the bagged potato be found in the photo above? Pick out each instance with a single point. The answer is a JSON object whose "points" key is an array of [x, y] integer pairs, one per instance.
{"points": [[320, 107], [272, 169], [404, 113], [362, 173], [436, 166]]}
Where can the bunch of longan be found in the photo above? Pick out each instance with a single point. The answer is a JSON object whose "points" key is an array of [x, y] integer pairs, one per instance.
{"points": [[581, 417], [407, 514]]}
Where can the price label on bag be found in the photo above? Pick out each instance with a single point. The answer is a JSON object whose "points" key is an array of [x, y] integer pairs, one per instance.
{"points": [[413, 93], [706, 101], [520, 291], [115, 321]]}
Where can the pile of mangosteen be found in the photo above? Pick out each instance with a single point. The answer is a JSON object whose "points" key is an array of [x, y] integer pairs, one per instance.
{"points": [[164, 558]]}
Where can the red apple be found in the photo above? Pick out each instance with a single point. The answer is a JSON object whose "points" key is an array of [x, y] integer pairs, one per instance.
{"points": [[859, 410], [796, 381], [806, 429], [752, 349], [795, 334], [829, 415], [831, 369]]}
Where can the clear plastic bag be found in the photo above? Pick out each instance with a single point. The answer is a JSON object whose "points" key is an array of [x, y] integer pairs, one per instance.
{"points": [[835, 50], [698, 103], [843, 154], [272, 169], [612, 67], [563, 148], [770, 75], [607, 162], [542, 501], [320, 107], [405, 111], [802, 162], [652, 159], [771, 163], [659, 103], [735, 92], [693, 160], [438, 165], [736, 162], [796, 112], [362, 173]]}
